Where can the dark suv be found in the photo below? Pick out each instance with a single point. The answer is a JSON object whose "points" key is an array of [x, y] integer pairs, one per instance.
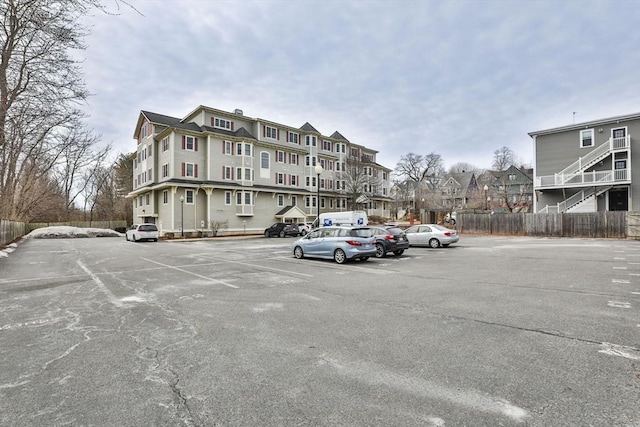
{"points": [[282, 229], [389, 239]]}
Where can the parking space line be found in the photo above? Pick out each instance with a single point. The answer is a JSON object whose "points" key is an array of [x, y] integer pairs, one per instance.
{"points": [[110, 296], [280, 270], [193, 274]]}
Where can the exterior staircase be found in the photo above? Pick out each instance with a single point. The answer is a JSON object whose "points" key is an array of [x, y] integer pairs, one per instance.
{"points": [[575, 202], [595, 182]]}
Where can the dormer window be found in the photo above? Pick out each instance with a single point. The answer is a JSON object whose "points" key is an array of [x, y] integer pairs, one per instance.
{"points": [[222, 123]]}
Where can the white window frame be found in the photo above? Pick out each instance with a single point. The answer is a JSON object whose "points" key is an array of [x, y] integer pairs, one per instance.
{"points": [[228, 148], [227, 198], [165, 144], [193, 170], [190, 140], [280, 200], [227, 173], [165, 197], [294, 138], [165, 170], [189, 197], [221, 123], [270, 132], [265, 157], [582, 138]]}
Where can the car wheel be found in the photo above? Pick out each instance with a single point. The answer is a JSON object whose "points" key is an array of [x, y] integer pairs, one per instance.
{"points": [[126, 237], [380, 252], [339, 256], [282, 234], [297, 252], [303, 232], [398, 252], [155, 240], [266, 234], [434, 243], [133, 237]]}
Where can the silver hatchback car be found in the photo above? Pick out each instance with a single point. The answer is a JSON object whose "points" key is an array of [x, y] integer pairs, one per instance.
{"points": [[337, 243]]}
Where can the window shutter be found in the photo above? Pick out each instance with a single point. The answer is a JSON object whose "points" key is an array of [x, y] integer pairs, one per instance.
{"points": [[195, 171], [278, 135], [213, 121], [264, 131], [231, 125], [150, 150], [184, 144], [288, 139], [232, 172], [224, 144], [195, 144], [224, 176], [183, 168]]}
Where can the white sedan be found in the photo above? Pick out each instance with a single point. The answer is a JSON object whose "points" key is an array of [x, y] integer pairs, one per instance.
{"points": [[432, 235], [142, 232]]}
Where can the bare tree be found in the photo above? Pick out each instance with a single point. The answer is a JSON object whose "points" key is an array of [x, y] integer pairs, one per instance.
{"points": [[464, 167], [502, 159], [41, 89], [110, 185], [361, 180], [417, 168]]}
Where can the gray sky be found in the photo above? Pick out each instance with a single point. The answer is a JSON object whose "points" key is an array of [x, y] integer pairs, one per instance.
{"points": [[458, 78]]}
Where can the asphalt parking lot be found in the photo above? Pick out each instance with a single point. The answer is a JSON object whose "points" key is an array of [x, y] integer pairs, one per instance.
{"points": [[490, 331]]}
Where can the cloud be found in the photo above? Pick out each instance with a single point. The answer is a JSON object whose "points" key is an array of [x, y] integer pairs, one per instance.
{"points": [[461, 78]]}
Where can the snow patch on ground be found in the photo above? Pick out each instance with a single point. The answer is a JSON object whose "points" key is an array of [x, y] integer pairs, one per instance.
{"points": [[60, 232], [66, 232]]}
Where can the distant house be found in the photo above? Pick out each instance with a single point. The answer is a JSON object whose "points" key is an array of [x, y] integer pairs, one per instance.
{"points": [[587, 167], [459, 191], [511, 190]]}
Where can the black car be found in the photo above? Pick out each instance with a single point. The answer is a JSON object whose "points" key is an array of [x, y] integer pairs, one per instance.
{"points": [[389, 239], [282, 229]]}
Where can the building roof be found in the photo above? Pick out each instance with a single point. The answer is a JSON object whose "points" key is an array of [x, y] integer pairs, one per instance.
{"points": [[308, 128], [583, 125], [338, 135]]}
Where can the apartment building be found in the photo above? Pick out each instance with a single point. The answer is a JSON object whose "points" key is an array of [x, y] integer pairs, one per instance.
{"points": [[588, 167], [217, 169]]}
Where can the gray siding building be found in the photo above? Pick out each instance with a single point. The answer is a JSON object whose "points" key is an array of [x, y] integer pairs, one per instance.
{"points": [[215, 169], [588, 167]]}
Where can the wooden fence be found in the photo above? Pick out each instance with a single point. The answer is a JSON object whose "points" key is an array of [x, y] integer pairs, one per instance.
{"points": [[10, 231], [592, 224]]}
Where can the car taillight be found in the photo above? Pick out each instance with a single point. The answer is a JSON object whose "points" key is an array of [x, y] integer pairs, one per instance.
{"points": [[447, 233], [389, 237], [354, 243]]}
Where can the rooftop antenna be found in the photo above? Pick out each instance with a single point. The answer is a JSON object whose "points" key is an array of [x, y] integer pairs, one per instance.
{"points": [[574, 117]]}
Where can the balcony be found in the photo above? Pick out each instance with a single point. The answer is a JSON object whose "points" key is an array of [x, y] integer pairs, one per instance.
{"points": [[583, 179]]}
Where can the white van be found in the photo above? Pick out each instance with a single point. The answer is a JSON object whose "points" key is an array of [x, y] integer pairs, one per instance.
{"points": [[352, 218]]}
